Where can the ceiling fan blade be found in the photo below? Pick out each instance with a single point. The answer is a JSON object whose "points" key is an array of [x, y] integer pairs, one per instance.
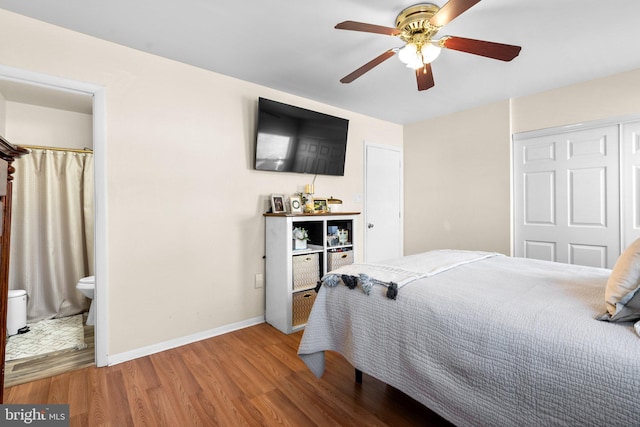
{"points": [[367, 28], [368, 66], [450, 11], [503, 52], [424, 76]]}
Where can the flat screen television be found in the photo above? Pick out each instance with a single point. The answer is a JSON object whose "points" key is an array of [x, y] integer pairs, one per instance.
{"points": [[294, 139]]}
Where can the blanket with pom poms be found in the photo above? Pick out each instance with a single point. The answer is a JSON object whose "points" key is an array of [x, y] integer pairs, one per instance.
{"points": [[397, 273], [364, 281]]}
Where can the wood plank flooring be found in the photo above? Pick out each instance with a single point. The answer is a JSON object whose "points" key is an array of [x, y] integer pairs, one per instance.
{"points": [[250, 377]]}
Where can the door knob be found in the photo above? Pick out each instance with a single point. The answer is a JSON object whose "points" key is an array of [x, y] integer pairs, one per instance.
{"points": [[369, 225]]}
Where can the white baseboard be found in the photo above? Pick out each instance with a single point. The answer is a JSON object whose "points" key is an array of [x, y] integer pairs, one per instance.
{"points": [[178, 342]]}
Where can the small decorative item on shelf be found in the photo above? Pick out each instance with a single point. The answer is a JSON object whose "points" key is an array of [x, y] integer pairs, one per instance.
{"points": [[277, 203], [295, 204], [320, 205], [307, 202], [343, 237], [308, 207], [300, 237], [334, 205]]}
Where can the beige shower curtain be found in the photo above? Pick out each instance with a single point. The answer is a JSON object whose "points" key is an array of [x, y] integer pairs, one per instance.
{"points": [[52, 231]]}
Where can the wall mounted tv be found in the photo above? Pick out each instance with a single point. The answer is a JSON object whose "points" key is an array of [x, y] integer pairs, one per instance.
{"points": [[294, 139]]}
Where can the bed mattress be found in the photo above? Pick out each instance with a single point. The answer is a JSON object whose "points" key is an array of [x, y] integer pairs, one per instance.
{"points": [[502, 341]]}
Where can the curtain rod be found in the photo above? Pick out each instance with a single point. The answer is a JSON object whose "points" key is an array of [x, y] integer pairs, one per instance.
{"points": [[72, 150]]}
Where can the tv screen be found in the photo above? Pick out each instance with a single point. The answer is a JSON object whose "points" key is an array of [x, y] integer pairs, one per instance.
{"points": [[294, 139]]}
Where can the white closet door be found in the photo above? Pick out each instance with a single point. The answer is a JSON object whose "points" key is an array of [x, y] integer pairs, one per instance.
{"points": [[566, 197], [630, 183]]}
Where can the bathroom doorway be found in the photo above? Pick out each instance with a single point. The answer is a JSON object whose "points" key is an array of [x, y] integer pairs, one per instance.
{"points": [[52, 246], [51, 92], [52, 229]]}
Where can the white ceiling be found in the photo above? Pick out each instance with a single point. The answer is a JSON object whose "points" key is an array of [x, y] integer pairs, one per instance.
{"points": [[292, 46]]}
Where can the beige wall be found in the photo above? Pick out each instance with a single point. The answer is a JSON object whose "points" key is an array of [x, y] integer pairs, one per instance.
{"points": [[457, 181], [3, 113], [185, 231], [35, 125], [457, 174], [608, 97]]}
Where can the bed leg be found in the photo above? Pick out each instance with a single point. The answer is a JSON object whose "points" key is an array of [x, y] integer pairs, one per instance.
{"points": [[358, 376]]}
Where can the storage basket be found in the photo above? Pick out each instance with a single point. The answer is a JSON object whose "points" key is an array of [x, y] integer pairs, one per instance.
{"points": [[306, 271], [302, 303], [338, 259]]}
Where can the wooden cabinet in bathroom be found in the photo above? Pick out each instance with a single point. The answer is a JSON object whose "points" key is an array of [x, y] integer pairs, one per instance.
{"points": [[8, 153], [292, 274]]}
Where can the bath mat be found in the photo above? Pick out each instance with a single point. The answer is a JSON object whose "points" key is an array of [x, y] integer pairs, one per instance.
{"points": [[47, 336]]}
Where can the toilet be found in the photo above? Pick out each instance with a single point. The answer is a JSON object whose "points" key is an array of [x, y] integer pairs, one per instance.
{"points": [[87, 286], [16, 311]]}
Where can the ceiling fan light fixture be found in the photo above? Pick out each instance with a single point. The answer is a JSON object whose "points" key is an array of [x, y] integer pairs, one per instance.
{"points": [[429, 52], [411, 56], [417, 58], [408, 53]]}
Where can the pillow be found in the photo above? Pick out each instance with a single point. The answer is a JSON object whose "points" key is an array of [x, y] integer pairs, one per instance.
{"points": [[621, 294]]}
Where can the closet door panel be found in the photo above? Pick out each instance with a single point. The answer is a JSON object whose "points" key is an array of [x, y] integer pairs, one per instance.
{"points": [[540, 198], [587, 197], [566, 200]]}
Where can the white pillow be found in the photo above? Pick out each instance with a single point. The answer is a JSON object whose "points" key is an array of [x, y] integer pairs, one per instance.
{"points": [[621, 294]]}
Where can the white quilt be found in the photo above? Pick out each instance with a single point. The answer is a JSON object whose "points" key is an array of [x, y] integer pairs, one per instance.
{"points": [[502, 342]]}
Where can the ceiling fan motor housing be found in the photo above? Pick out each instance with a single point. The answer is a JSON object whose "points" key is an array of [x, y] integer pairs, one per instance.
{"points": [[413, 22]]}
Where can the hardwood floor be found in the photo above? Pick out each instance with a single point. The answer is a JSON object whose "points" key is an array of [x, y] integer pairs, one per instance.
{"points": [[250, 377]]}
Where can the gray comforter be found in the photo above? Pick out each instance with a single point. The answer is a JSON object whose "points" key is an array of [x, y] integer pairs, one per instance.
{"points": [[501, 341]]}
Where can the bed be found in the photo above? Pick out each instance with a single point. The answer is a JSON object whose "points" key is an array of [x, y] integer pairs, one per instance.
{"points": [[485, 339]]}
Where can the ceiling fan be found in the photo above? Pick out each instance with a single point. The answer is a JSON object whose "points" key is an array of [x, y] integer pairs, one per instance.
{"points": [[416, 26]]}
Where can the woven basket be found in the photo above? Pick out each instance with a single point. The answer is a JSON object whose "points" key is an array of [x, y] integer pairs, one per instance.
{"points": [[338, 259], [302, 303], [306, 271]]}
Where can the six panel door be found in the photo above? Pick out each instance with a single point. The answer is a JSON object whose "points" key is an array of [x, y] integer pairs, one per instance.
{"points": [[566, 192]]}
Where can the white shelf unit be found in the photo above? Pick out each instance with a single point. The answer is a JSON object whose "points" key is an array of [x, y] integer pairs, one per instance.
{"points": [[279, 276]]}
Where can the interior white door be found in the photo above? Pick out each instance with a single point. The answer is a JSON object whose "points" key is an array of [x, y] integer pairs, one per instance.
{"points": [[630, 183], [383, 203], [566, 195]]}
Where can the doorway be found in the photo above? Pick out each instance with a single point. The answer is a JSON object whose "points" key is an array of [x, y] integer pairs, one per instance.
{"points": [[42, 85], [51, 241], [383, 201]]}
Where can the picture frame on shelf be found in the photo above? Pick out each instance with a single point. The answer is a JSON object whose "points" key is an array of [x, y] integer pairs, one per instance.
{"points": [[295, 204], [278, 203], [320, 205]]}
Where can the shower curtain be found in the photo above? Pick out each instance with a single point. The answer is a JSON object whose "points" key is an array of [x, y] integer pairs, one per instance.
{"points": [[52, 231]]}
